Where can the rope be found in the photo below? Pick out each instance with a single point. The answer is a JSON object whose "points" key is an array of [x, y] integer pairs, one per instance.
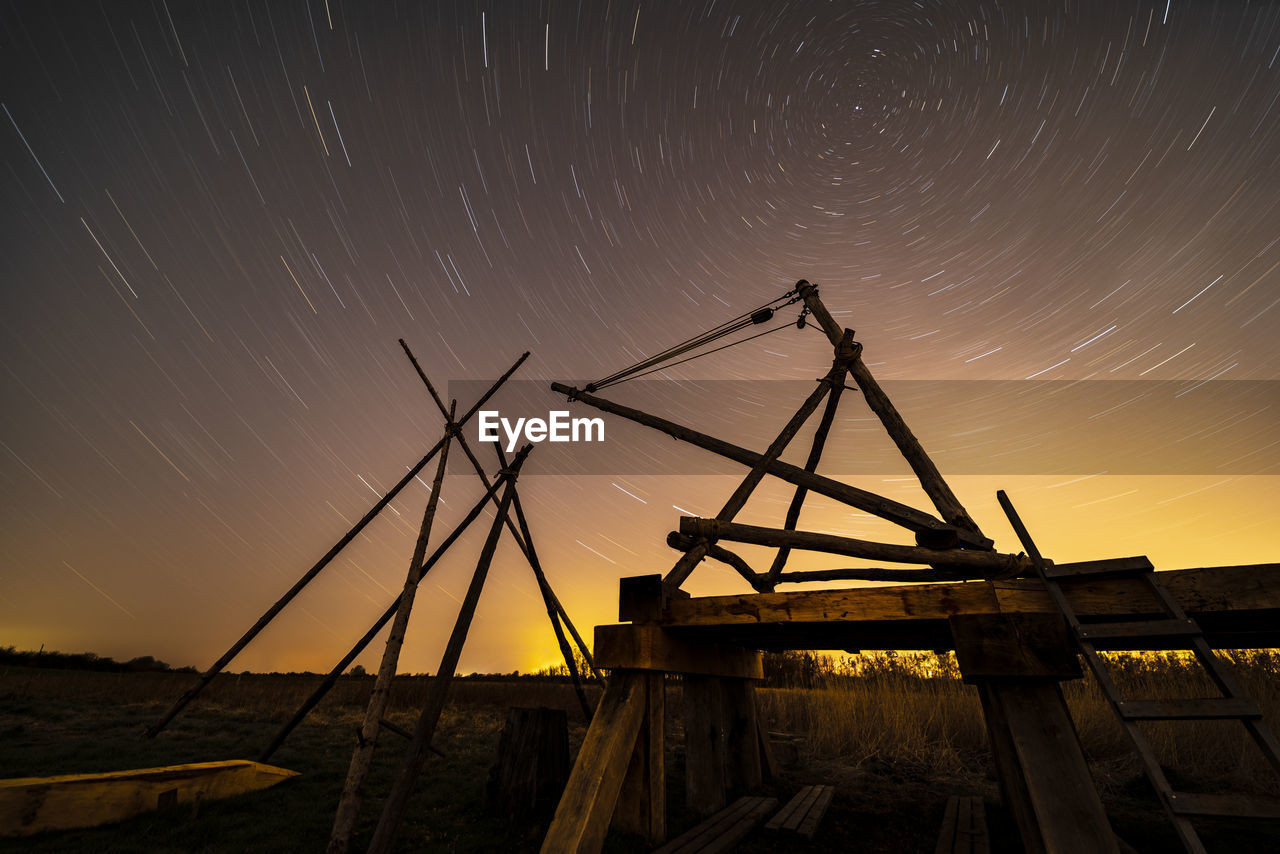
{"points": [[751, 318], [788, 325]]}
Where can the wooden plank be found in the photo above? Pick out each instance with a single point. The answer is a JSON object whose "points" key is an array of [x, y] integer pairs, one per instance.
{"points": [[809, 826], [981, 562], [1196, 708], [947, 835], [784, 815], [1063, 812], [582, 818], [1230, 805], [1016, 645], [797, 815], [650, 647], [1099, 568], [723, 830], [1211, 589]]}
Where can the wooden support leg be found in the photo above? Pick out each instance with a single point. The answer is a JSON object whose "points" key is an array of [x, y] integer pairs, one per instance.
{"points": [[582, 818], [642, 804], [704, 744], [1017, 660], [743, 769]]}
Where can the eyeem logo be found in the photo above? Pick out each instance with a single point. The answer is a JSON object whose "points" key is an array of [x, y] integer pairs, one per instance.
{"points": [[557, 427]]}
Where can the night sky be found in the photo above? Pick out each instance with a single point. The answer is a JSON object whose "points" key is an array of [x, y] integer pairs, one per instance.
{"points": [[218, 218]]}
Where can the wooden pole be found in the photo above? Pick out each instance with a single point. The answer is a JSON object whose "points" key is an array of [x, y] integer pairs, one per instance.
{"points": [[310, 574], [683, 542], [520, 541], [362, 757], [690, 559], [323, 688], [811, 465], [886, 508], [927, 473], [397, 802], [983, 564]]}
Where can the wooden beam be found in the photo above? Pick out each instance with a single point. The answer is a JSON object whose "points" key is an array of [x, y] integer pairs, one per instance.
{"points": [[926, 472], [642, 802], [979, 563], [886, 508], [310, 574], [995, 646], [590, 796], [648, 647]]}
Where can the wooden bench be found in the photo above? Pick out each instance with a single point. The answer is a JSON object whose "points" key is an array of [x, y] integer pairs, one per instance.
{"points": [[723, 830], [803, 812], [964, 827]]}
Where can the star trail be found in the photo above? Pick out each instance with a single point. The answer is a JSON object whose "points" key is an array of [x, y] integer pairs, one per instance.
{"points": [[219, 218]]}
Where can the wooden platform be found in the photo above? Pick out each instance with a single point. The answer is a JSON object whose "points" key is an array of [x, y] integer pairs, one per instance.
{"points": [[1237, 606]]}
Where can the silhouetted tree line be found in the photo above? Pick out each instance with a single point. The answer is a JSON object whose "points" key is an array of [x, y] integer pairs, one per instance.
{"points": [[86, 661]]}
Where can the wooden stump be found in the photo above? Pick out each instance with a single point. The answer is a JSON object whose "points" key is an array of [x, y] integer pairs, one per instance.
{"points": [[533, 763]]}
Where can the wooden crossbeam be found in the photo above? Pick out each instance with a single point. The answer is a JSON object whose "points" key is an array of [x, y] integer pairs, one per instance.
{"points": [[923, 524], [979, 564]]}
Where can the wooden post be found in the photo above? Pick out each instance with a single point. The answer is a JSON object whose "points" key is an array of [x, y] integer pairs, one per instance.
{"points": [[981, 563], [690, 559], [589, 799], [927, 473], [362, 756], [642, 802], [886, 508], [744, 770], [705, 744], [1017, 660], [310, 574], [397, 802]]}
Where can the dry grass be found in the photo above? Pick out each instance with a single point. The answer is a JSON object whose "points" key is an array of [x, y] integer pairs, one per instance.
{"points": [[889, 709]]}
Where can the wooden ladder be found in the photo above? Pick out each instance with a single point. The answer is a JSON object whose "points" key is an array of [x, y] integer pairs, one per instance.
{"points": [[1174, 626]]}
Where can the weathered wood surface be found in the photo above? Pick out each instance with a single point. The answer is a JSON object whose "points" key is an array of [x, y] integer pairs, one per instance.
{"points": [[1235, 605], [803, 812], [724, 830], [964, 827], [705, 744], [589, 798], [533, 763], [642, 802], [34, 804], [886, 508], [1019, 644], [649, 647], [982, 563]]}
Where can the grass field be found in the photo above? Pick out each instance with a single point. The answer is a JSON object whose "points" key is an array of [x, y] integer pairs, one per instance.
{"points": [[895, 735]]}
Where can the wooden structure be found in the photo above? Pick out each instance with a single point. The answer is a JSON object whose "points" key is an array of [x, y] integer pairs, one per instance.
{"points": [[31, 805], [1016, 633], [499, 491], [964, 827], [803, 812]]}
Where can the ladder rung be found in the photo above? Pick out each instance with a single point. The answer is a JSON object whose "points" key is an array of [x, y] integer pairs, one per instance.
{"points": [[1239, 806], [1091, 569], [1139, 629], [1199, 708]]}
